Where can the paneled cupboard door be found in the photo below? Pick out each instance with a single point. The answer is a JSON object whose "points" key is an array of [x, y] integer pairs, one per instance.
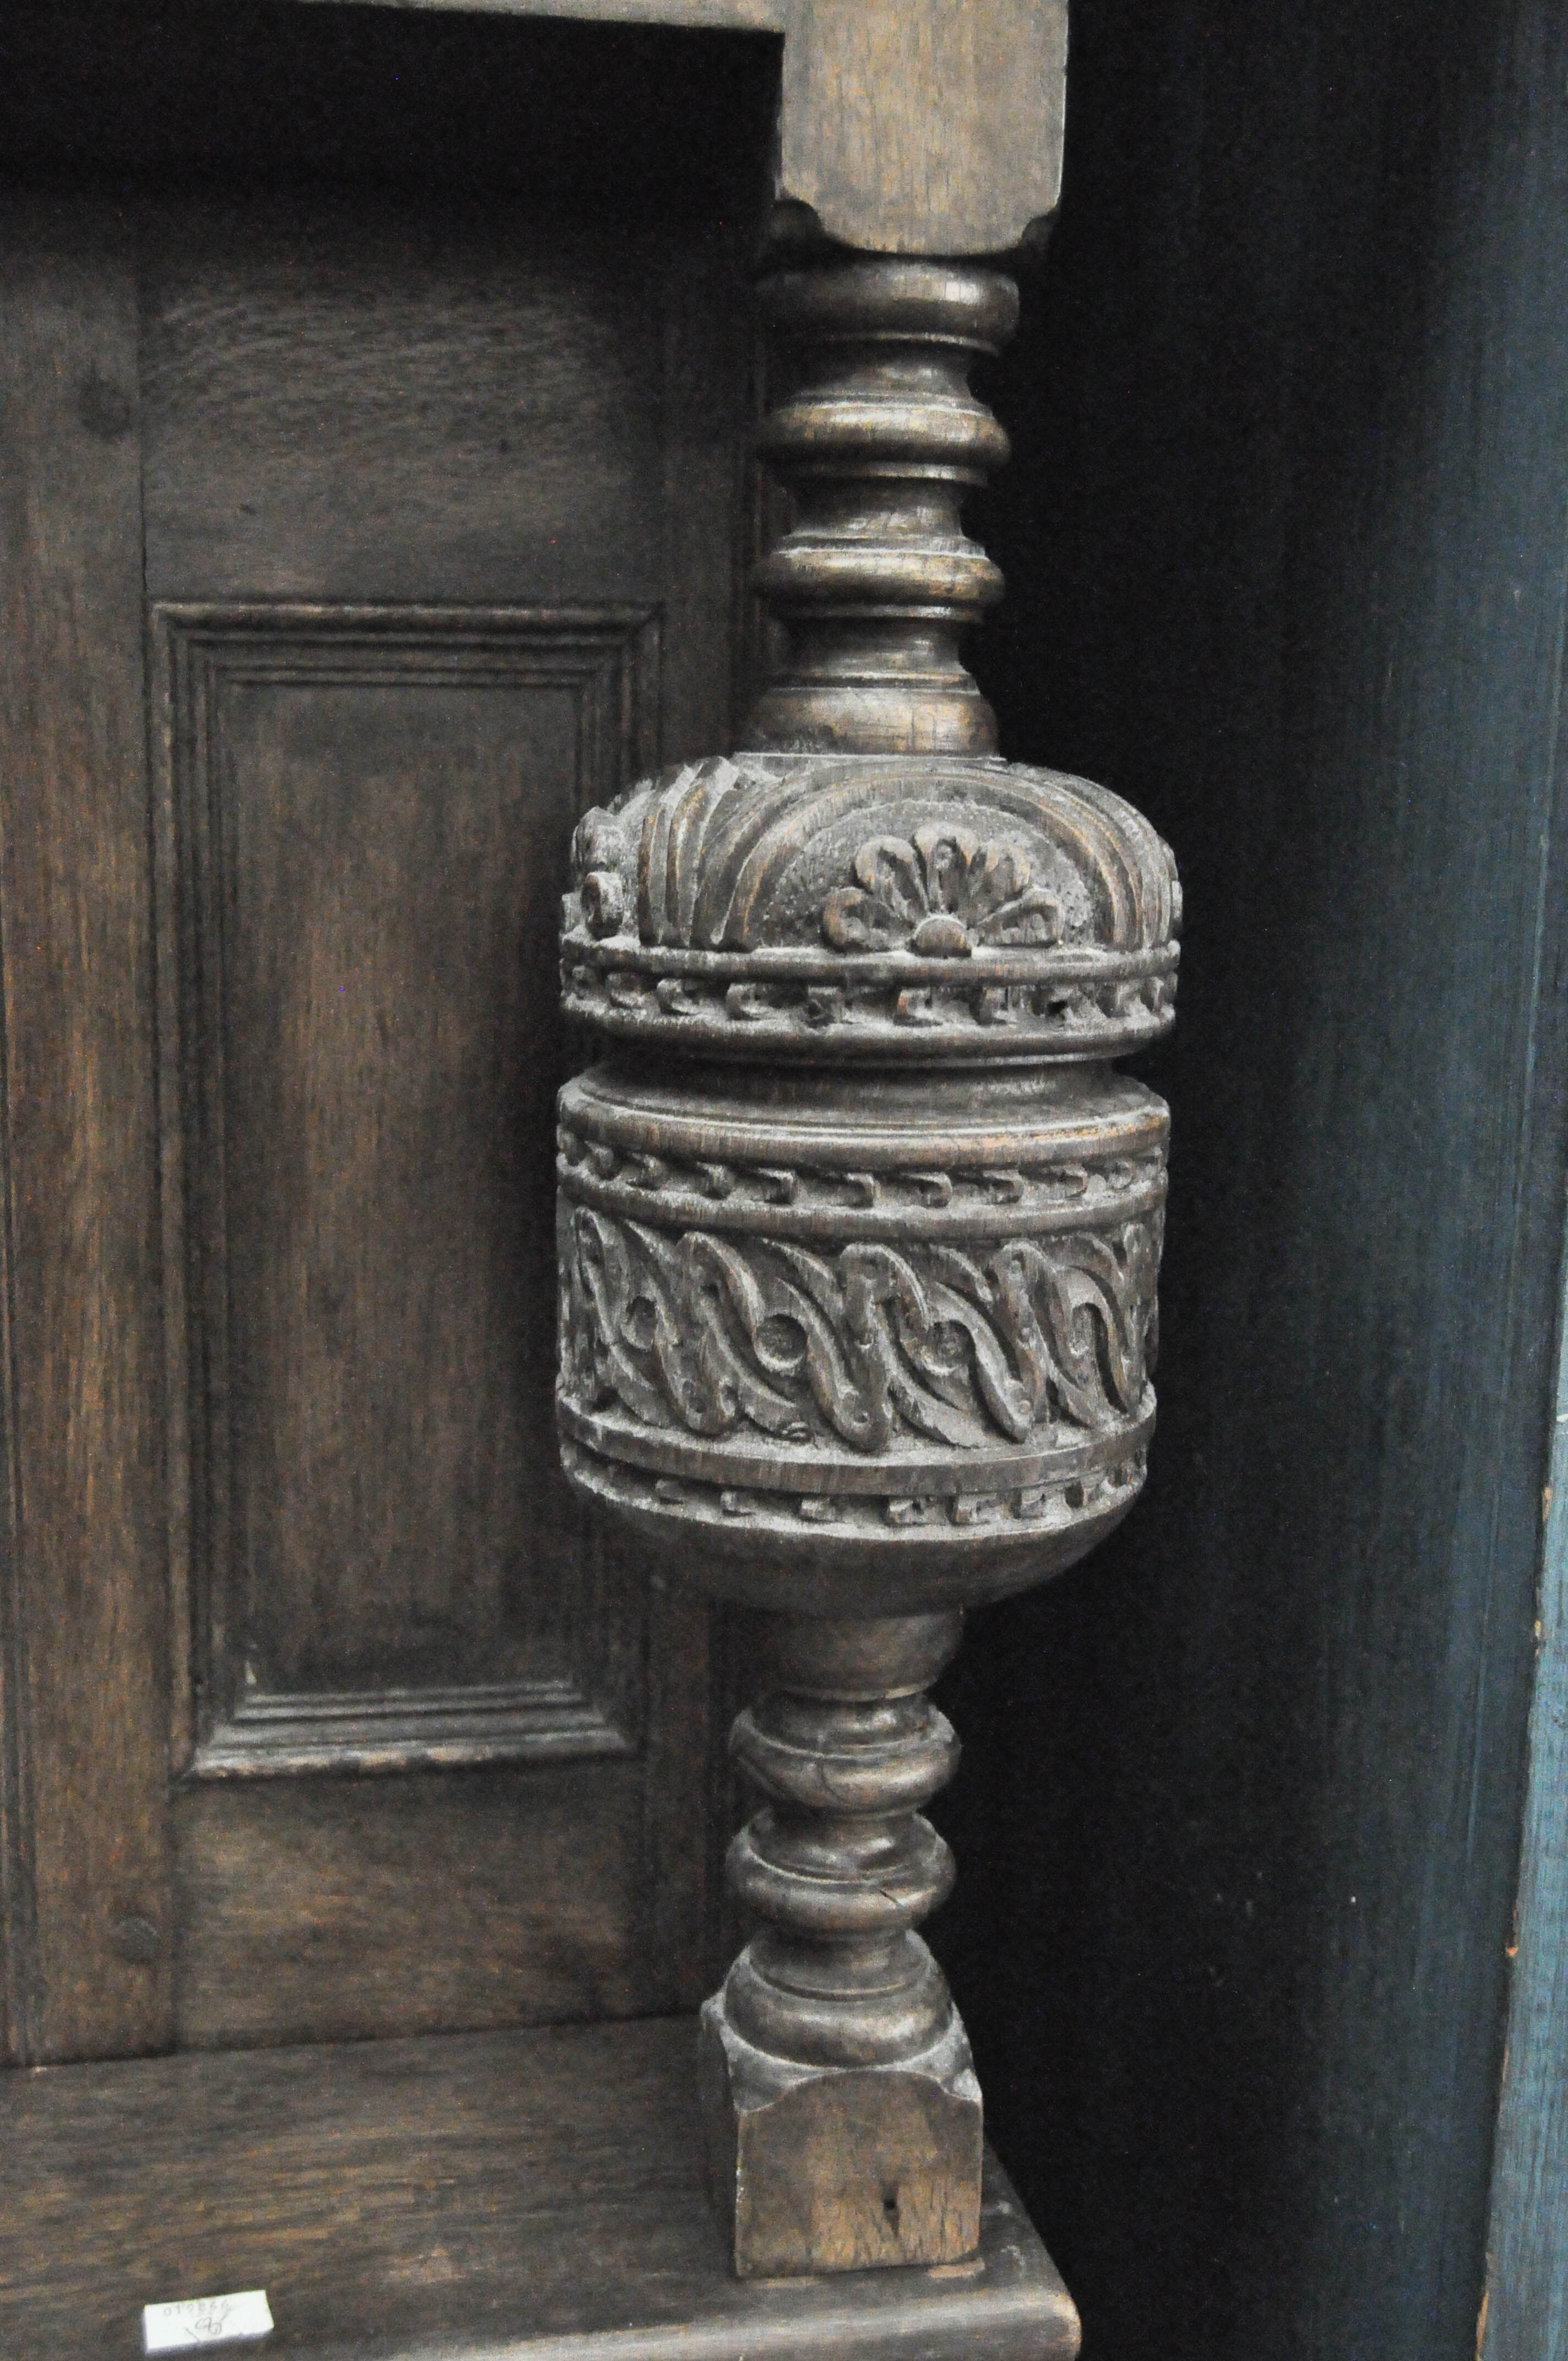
{"points": [[354, 544]]}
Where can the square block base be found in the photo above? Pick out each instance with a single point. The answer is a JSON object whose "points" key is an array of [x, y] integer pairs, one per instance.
{"points": [[840, 2169]]}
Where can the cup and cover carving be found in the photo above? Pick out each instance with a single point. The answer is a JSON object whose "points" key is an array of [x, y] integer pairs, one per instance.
{"points": [[859, 1234]]}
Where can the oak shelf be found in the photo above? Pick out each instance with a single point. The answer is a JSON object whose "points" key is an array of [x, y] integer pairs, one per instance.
{"points": [[503, 2194]]}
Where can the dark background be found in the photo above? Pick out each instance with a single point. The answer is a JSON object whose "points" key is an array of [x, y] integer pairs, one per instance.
{"points": [[1238, 1821]]}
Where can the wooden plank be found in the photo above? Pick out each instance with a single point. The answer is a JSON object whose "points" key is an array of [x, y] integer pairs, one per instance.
{"points": [[622, 123], [329, 1909], [694, 16], [1524, 2304], [372, 807], [390, 397], [522, 2197], [89, 1646], [516, 433], [709, 471]]}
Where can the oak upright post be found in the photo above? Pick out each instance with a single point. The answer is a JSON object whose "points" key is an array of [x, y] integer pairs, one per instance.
{"points": [[858, 1237]]}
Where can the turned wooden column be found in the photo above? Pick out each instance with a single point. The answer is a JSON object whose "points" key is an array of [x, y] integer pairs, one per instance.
{"points": [[858, 1235], [843, 2112], [878, 441]]}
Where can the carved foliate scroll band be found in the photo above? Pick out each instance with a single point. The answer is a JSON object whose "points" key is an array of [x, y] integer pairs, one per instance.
{"points": [[847, 1347], [871, 1345]]}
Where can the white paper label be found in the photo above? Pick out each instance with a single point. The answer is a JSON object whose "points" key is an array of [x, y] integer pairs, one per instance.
{"points": [[206, 2320]]}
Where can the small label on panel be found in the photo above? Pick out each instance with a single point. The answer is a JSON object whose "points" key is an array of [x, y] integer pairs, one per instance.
{"points": [[204, 2320]]}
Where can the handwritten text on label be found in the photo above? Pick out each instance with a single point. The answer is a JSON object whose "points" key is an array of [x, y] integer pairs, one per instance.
{"points": [[206, 2320]]}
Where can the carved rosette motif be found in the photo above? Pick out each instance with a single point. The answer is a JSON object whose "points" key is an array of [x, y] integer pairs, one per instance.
{"points": [[871, 910]]}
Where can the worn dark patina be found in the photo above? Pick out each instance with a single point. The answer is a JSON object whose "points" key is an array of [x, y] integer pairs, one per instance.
{"points": [[858, 1235]]}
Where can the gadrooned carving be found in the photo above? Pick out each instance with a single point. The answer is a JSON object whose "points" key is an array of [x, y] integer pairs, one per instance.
{"points": [[840, 908]]}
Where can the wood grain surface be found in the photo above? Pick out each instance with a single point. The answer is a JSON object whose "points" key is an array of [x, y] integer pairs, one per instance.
{"points": [[908, 126], [572, 122], [440, 410], [924, 126], [88, 1947], [538, 2196], [326, 1909], [422, 480], [367, 810]]}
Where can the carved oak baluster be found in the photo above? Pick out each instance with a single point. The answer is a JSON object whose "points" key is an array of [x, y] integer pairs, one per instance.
{"points": [[858, 1237]]}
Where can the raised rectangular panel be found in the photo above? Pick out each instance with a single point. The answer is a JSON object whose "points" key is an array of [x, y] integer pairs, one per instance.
{"points": [[362, 814]]}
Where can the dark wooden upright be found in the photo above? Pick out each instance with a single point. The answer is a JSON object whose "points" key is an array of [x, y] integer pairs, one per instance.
{"points": [[858, 1235]]}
